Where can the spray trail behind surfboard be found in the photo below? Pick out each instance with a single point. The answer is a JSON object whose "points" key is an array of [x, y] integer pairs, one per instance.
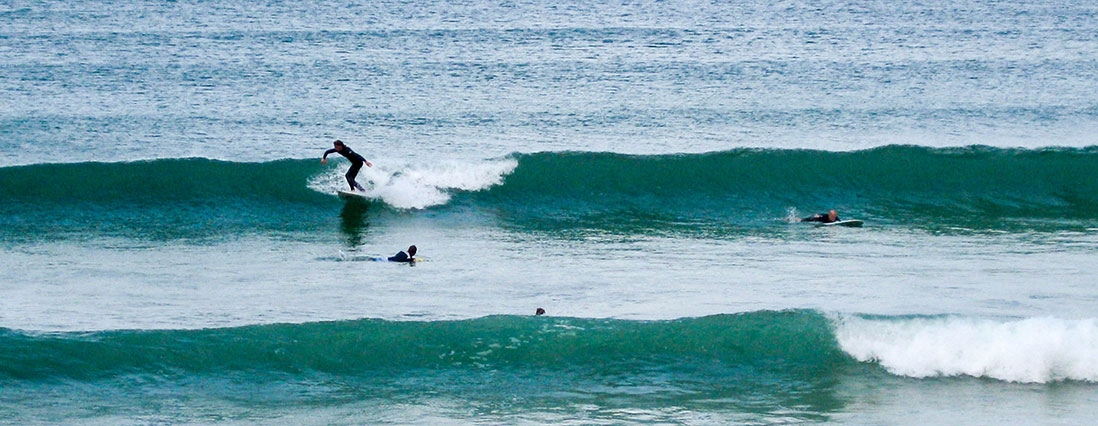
{"points": [[420, 186]]}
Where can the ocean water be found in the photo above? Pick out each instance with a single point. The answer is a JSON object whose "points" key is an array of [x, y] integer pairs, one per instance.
{"points": [[173, 252]]}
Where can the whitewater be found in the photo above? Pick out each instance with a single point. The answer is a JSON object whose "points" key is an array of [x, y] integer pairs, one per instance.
{"points": [[172, 251]]}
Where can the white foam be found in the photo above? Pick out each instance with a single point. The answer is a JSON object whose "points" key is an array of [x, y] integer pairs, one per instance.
{"points": [[1034, 350], [791, 215], [418, 186]]}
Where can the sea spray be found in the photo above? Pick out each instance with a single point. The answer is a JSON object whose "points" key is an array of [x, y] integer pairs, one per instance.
{"points": [[1030, 350], [419, 186]]}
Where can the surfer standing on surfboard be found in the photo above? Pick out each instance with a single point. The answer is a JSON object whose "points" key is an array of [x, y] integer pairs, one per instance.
{"points": [[831, 216], [356, 162]]}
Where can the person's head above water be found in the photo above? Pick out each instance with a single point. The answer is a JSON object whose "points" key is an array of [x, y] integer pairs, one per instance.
{"points": [[411, 250], [338, 143], [832, 215]]}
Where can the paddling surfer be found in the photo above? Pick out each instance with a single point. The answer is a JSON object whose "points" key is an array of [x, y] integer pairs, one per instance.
{"points": [[405, 256], [829, 217]]}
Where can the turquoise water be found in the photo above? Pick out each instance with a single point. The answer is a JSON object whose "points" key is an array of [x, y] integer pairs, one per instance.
{"points": [[727, 368], [735, 192], [172, 251]]}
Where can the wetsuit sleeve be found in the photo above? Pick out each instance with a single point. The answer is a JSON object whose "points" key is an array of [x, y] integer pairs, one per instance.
{"points": [[815, 218], [330, 151], [400, 257]]}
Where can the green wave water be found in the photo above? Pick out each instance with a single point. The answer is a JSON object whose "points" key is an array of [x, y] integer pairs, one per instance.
{"points": [[796, 343], [159, 200], [976, 187], [740, 190], [742, 365], [792, 340]]}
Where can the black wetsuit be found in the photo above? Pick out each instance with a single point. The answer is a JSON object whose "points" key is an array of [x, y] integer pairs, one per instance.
{"points": [[402, 257], [356, 164], [820, 217]]}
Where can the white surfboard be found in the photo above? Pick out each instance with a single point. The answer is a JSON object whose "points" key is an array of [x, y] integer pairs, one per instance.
{"points": [[353, 194], [851, 223]]}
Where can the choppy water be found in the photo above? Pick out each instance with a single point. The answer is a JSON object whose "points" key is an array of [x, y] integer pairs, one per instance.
{"points": [[172, 251]]}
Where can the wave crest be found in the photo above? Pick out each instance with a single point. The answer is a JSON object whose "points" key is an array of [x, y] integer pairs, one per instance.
{"points": [[1032, 350]]}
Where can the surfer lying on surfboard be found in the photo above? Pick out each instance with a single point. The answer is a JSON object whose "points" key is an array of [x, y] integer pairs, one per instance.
{"points": [[356, 162], [830, 216], [408, 256]]}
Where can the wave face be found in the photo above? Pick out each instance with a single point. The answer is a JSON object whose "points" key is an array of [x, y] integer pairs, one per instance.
{"points": [[162, 199], [798, 340], [810, 365], [731, 191], [756, 346], [977, 187]]}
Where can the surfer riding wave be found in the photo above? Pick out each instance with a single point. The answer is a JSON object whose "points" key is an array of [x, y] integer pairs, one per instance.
{"points": [[356, 162]]}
